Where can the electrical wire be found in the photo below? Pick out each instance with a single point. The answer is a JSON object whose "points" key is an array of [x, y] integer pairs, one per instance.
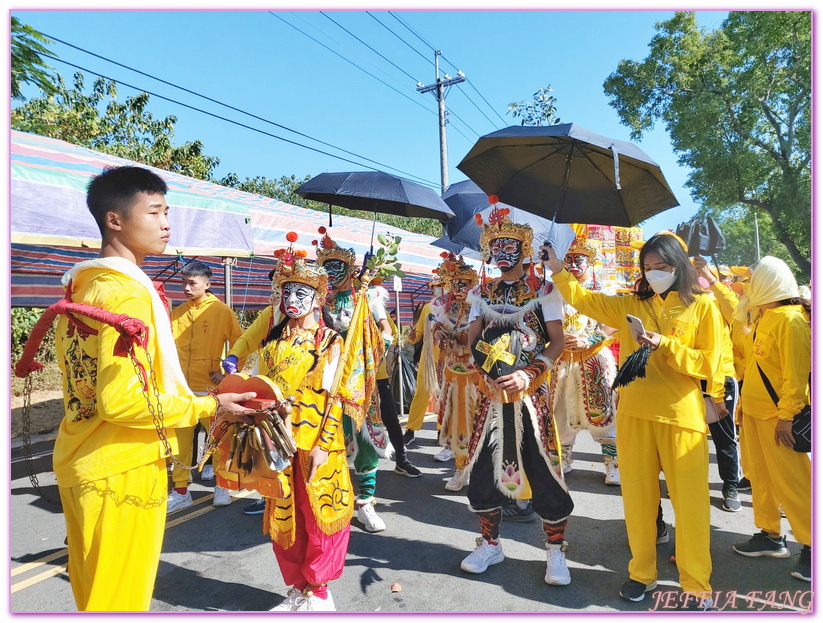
{"points": [[411, 30], [237, 123], [353, 63], [478, 108], [414, 49], [214, 101], [368, 46]]}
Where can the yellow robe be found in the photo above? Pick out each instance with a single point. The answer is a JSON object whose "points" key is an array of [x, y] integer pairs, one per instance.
{"points": [[423, 393], [108, 458]]}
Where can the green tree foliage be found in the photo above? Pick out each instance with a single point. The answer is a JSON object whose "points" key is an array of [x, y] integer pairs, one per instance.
{"points": [[283, 190], [542, 111], [23, 320], [100, 121], [736, 103], [27, 67]]}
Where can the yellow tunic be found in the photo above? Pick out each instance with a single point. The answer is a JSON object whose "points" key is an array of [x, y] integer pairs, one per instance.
{"points": [[728, 303], [422, 393], [691, 343], [200, 332], [300, 369], [108, 458], [252, 338]]}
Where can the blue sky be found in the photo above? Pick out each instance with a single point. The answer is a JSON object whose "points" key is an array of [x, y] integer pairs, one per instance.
{"points": [[254, 61]]}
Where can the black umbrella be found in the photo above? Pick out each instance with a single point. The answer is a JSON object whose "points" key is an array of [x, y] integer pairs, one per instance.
{"points": [[465, 199], [456, 248], [702, 236], [569, 174], [377, 192]]}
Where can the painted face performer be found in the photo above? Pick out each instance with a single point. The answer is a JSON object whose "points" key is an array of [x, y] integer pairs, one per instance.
{"points": [[580, 387], [516, 321], [459, 393], [378, 432], [309, 525]]}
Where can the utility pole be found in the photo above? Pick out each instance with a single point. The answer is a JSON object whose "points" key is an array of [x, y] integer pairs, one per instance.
{"points": [[439, 88]]}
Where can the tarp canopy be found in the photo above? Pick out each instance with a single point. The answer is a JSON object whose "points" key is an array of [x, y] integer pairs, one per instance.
{"points": [[48, 201]]}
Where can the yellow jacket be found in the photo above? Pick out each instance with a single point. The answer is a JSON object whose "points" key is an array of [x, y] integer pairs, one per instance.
{"points": [[783, 348], [716, 387], [728, 303], [690, 346], [252, 338], [107, 428], [200, 332]]}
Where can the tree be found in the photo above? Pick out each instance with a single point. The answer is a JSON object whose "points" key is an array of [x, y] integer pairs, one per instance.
{"points": [[736, 103], [99, 121], [542, 111], [283, 190], [27, 67]]}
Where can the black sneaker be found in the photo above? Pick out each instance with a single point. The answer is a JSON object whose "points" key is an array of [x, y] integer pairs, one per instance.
{"points": [[257, 507], [744, 484], [662, 533], [408, 437], [803, 568], [761, 544], [512, 512], [694, 602], [636, 591], [405, 468], [731, 501]]}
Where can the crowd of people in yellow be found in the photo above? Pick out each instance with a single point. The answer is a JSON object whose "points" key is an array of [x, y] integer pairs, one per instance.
{"points": [[499, 357]]}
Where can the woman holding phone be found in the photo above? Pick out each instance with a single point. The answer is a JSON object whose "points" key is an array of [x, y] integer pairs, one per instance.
{"points": [[661, 418]]}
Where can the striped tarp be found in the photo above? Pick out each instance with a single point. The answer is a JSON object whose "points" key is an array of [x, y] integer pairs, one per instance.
{"points": [[36, 272]]}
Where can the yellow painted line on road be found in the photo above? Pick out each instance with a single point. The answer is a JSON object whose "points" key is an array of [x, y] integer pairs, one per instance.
{"points": [[49, 573], [36, 563]]}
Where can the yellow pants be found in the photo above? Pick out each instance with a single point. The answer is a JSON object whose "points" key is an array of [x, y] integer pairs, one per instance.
{"points": [[779, 476], [185, 444], [644, 448], [420, 405], [115, 532]]}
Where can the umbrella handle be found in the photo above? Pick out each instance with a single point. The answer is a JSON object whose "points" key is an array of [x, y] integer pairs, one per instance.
{"points": [[543, 254]]}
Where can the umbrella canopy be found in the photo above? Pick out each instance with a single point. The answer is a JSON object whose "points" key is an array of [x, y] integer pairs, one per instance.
{"points": [[569, 173], [376, 191], [465, 199], [456, 248]]}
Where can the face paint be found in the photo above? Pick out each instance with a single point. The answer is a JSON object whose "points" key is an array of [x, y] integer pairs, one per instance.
{"points": [[298, 299], [461, 289], [577, 263], [338, 270], [506, 253]]}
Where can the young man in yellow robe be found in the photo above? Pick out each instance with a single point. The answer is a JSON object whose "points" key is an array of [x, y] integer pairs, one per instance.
{"points": [[109, 460], [202, 326]]}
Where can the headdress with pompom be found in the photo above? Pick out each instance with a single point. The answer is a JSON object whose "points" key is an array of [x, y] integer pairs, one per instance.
{"points": [[292, 268], [454, 268], [327, 249], [500, 226]]}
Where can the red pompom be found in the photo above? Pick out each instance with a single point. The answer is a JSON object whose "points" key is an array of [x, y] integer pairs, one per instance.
{"points": [[493, 199], [314, 242], [278, 252], [300, 253], [478, 218], [504, 211], [321, 230], [444, 255], [291, 236]]}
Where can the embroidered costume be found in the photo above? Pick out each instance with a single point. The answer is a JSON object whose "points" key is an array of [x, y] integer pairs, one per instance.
{"points": [[580, 390]]}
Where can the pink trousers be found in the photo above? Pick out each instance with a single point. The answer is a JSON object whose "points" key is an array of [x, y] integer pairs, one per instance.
{"points": [[314, 557]]}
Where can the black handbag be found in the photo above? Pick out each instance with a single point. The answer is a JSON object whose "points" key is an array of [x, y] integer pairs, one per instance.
{"points": [[801, 423]]}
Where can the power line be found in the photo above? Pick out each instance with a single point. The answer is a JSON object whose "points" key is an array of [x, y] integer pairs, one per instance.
{"points": [[205, 97], [471, 84], [368, 46], [352, 63], [423, 56], [237, 123], [478, 107], [411, 30]]}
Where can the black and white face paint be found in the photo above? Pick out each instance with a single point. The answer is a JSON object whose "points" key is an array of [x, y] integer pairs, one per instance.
{"points": [[461, 289], [506, 253], [298, 299], [577, 263], [337, 270]]}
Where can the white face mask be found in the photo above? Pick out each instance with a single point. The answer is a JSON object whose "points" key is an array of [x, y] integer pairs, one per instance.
{"points": [[660, 281]]}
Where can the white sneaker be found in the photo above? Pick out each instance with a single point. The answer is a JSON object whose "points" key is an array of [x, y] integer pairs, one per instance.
{"points": [[207, 473], [178, 502], [556, 570], [222, 497], [486, 554], [293, 600], [444, 455], [567, 459], [612, 473], [369, 518], [459, 480], [315, 604]]}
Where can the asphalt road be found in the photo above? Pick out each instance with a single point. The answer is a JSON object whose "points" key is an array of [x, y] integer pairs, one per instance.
{"points": [[217, 559]]}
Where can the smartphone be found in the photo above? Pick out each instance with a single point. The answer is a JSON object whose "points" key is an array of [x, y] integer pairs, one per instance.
{"points": [[636, 325]]}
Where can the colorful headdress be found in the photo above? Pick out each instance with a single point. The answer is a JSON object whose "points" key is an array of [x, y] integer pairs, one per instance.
{"points": [[328, 249], [453, 269], [585, 246], [292, 268], [500, 226]]}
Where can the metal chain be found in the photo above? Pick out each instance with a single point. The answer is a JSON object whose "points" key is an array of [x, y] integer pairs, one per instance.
{"points": [[26, 420]]}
